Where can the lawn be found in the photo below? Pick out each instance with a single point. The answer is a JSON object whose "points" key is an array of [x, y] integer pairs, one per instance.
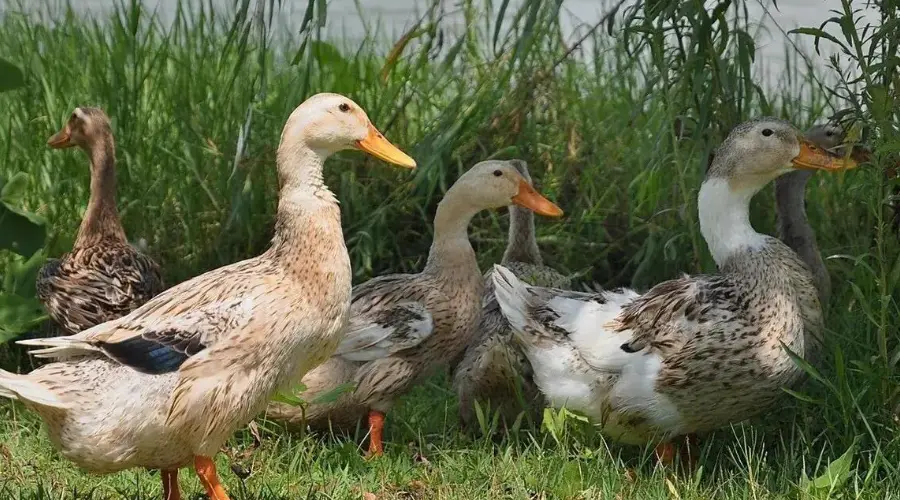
{"points": [[616, 128]]}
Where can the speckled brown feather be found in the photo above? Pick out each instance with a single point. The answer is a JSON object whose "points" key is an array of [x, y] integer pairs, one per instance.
{"points": [[173, 379], [403, 327], [493, 370], [694, 353], [103, 277]]}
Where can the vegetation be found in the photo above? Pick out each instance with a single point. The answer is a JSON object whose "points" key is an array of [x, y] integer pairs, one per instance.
{"points": [[616, 128]]}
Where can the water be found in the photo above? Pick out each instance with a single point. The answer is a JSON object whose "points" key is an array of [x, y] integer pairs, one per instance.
{"points": [[345, 22]]}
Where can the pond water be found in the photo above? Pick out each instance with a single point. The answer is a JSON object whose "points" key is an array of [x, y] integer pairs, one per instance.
{"points": [[345, 19]]}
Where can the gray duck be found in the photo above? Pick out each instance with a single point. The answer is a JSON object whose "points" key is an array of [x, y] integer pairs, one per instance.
{"points": [[493, 370], [405, 326], [694, 353]]}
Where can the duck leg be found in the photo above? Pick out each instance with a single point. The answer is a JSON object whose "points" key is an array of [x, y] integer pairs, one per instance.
{"points": [[206, 470], [690, 453], [376, 425], [171, 491], [665, 453]]}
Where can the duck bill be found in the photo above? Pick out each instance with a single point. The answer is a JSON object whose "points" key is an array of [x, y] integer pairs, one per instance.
{"points": [[61, 139], [376, 145], [812, 157], [532, 200]]}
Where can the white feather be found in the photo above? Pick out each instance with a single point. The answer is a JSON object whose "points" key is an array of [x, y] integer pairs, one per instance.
{"points": [[587, 368], [725, 219], [366, 340], [19, 387]]}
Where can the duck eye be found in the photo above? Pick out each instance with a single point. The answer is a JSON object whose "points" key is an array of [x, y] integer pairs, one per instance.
{"points": [[497, 173], [344, 107], [767, 132]]}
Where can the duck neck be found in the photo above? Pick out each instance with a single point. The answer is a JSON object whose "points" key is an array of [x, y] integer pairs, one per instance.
{"points": [[724, 210], [101, 220], [306, 207], [451, 251], [794, 228], [522, 245]]}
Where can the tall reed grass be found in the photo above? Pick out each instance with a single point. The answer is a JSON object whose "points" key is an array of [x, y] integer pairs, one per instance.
{"points": [[617, 128]]}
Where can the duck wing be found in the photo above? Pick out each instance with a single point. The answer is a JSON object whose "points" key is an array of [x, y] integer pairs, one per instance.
{"points": [[387, 315]]}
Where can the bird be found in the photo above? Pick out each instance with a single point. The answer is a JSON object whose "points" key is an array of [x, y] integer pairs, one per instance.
{"points": [[164, 386]]}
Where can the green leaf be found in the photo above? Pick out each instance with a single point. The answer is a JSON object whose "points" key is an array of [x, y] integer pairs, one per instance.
{"points": [[18, 314], [835, 475], [818, 34], [21, 231], [21, 274], [327, 54], [333, 395], [11, 76], [14, 189], [289, 397]]}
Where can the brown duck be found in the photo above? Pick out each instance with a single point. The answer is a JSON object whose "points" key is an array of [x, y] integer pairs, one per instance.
{"points": [[164, 386], [492, 370], [103, 277], [403, 326]]}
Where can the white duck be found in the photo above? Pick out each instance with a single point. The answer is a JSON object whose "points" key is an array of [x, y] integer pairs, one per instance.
{"points": [[167, 384], [694, 353]]}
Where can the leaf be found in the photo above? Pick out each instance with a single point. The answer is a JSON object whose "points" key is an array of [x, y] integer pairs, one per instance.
{"points": [[21, 231], [498, 24], [333, 395], [21, 274], [397, 50], [835, 475], [322, 12], [11, 76], [818, 34], [327, 54], [14, 189], [289, 397], [18, 314]]}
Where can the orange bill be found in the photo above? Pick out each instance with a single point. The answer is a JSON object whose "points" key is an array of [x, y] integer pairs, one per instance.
{"points": [[532, 200], [814, 157], [61, 139], [376, 145]]}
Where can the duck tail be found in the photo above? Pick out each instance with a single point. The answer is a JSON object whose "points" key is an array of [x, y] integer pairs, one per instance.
{"points": [[19, 387], [512, 296], [58, 347]]}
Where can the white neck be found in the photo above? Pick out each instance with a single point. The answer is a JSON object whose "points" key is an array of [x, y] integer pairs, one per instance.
{"points": [[725, 219]]}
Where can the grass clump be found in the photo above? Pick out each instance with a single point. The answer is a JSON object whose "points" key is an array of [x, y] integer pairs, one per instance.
{"points": [[617, 128]]}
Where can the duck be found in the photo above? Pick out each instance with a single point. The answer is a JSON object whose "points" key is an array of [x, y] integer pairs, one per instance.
{"points": [[793, 226], [164, 386], [103, 277], [695, 353], [492, 370], [405, 326]]}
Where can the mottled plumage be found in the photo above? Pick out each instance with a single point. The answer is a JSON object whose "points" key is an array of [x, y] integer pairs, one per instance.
{"points": [[169, 382], [103, 277], [402, 327], [493, 370], [694, 353], [95, 284]]}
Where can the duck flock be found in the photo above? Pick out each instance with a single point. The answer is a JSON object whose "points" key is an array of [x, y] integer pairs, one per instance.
{"points": [[160, 377]]}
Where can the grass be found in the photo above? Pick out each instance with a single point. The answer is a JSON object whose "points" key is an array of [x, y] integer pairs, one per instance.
{"points": [[596, 124]]}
